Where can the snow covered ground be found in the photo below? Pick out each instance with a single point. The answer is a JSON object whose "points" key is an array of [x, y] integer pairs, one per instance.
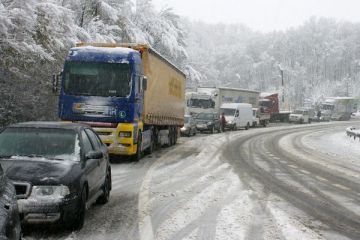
{"points": [[202, 189]]}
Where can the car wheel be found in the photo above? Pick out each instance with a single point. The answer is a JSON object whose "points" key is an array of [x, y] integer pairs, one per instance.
{"points": [[80, 214], [104, 198]]}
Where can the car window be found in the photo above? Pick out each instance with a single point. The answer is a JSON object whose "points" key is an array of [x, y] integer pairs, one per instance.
{"points": [[87, 145], [94, 139]]}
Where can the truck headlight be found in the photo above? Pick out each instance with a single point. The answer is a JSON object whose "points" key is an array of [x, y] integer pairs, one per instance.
{"points": [[125, 134], [49, 191]]}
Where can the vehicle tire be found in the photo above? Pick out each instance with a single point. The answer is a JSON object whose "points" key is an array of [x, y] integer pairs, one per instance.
{"points": [[264, 123], [79, 218], [150, 149], [104, 198], [212, 129], [138, 154], [247, 126]]}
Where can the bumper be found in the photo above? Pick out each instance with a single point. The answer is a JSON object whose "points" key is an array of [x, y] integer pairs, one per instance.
{"points": [[35, 211], [295, 120], [203, 127], [122, 149], [184, 131], [230, 125]]}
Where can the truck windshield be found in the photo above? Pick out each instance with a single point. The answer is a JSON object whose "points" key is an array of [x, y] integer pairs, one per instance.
{"points": [[97, 79], [206, 116], [201, 103], [265, 103], [228, 111]]}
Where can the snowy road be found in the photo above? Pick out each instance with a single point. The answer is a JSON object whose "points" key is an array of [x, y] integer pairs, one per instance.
{"points": [[291, 182]]}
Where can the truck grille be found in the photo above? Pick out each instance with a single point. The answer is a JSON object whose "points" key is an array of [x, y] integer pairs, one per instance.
{"points": [[22, 189]]}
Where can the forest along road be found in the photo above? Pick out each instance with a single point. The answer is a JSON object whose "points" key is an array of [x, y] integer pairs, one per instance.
{"points": [[293, 182]]}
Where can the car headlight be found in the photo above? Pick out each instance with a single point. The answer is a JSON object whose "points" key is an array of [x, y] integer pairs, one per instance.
{"points": [[230, 122], [49, 191]]}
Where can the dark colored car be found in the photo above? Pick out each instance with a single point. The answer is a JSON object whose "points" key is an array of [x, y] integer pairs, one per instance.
{"points": [[208, 122], [189, 127], [58, 169], [10, 227]]}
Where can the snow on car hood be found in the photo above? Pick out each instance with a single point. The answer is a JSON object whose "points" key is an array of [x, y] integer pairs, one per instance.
{"points": [[38, 172], [229, 118]]}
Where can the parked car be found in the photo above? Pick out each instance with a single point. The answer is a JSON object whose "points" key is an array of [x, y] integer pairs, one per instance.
{"points": [[10, 227], [189, 127], [300, 116], [208, 122], [59, 169]]}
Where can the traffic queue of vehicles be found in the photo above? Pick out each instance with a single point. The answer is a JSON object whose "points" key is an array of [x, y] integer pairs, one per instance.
{"points": [[114, 99]]}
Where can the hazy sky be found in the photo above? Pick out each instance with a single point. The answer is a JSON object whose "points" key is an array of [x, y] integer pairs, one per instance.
{"points": [[263, 15]]}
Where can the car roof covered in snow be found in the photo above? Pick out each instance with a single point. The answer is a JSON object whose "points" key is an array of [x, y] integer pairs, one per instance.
{"points": [[49, 124]]}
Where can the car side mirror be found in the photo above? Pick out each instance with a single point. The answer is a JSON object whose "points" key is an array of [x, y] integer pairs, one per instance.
{"points": [[94, 155]]}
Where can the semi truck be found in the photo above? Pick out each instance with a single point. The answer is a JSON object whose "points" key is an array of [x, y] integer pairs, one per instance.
{"points": [[131, 95], [209, 99], [343, 107], [269, 102]]}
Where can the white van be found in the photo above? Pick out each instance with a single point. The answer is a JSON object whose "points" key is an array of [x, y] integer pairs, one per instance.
{"points": [[237, 115]]}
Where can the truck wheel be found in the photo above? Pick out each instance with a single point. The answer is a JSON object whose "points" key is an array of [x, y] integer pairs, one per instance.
{"points": [[151, 148], [138, 154]]}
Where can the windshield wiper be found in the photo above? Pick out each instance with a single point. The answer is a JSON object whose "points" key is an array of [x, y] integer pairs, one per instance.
{"points": [[40, 156]]}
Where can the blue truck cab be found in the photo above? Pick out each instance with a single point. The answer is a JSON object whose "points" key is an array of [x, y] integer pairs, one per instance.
{"points": [[104, 87]]}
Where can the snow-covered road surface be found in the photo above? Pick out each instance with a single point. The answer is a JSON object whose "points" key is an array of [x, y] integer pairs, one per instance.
{"points": [[298, 182]]}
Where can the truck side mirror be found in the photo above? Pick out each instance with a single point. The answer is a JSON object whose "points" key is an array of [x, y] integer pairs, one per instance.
{"points": [[144, 83], [55, 83]]}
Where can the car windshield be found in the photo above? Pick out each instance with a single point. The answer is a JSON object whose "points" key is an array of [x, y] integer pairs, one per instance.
{"points": [[206, 116], [228, 111], [97, 79], [46, 143], [201, 103]]}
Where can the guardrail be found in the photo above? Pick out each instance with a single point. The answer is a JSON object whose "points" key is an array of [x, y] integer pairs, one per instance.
{"points": [[353, 132]]}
